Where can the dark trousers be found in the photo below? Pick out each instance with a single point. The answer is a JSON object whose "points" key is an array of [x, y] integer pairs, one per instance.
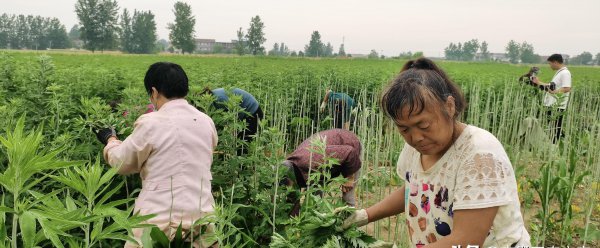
{"points": [[341, 114], [555, 119], [251, 128]]}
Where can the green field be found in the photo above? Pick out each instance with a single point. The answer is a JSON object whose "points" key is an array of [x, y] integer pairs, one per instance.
{"points": [[63, 193]]}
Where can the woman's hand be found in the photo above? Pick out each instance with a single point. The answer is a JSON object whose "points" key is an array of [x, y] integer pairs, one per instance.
{"points": [[106, 134], [347, 186]]}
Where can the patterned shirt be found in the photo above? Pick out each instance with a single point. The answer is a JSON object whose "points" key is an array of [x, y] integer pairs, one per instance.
{"points": [[474, 173]]}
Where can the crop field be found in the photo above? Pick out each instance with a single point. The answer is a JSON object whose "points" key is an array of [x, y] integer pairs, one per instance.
{"points": [[57, 190]]}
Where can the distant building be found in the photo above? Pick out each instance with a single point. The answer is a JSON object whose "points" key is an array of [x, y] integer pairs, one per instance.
{"points": [[500, 57], [204, 45], [213, 46], [358, 55]]}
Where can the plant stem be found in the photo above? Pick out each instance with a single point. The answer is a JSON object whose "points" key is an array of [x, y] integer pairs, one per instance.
{"points": [[15, 220]]}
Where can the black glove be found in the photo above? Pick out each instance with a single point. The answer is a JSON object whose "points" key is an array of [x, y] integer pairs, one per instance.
{"points": [[104, 134], [550, 87]]}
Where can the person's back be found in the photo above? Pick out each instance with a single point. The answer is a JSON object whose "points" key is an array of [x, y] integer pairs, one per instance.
{"points": [[249, 103], [172, 150], [343, 97], [340, 144], [182, 140]]}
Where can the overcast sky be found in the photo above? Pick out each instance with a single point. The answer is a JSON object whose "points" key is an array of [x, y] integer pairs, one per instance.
{"points": [[389, 26]]}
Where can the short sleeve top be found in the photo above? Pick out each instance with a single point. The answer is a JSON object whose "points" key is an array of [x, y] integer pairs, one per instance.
{"points": [[562, 78], [474, 173]]}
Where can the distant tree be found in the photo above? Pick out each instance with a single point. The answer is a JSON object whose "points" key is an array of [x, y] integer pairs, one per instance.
{"points": [[513, 50], [74, 36], [99, 23], [240, 46], [527, 54], [373, 54], [453, 51], [300, 54], [32, 32], [20, 38], [144, 32], [6, 29], [256, 36], [584, 58], [405, 55], [598, 59], [315, 45], [126, 32], [74, 33], [161, 45], [56, 35], [342, 51], [294, 54], [485, 54], [328, 50], [469, 49], [36, 32], [275, 50], [283, 50], [182, 31]]}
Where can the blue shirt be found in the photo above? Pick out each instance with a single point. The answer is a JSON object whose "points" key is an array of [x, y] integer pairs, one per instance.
{"points": [[249, 103], [338, 96]]}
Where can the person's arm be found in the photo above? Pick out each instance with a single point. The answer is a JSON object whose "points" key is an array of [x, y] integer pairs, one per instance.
{"points": [[470, 227], [325, 99], [348, 185], [391, 205], [129, 155], [562, 90], [537, 81], [545, 86]]}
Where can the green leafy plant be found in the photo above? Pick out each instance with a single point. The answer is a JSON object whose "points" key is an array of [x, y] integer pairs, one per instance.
{"points": [[26, 161]]}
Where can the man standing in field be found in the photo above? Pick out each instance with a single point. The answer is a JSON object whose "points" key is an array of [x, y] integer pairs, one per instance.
{"points": [[556, 98], [340, 144]]}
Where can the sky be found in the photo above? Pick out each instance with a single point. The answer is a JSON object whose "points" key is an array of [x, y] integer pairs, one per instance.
{"points": [[388, 26]]}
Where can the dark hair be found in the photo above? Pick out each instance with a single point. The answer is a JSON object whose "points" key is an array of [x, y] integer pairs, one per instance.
{"points": [[207, 90], [556, 58], [169, 79], [420, 81]]}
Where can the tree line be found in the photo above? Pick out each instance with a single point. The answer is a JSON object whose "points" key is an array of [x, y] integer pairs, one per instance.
{"points": [[516, 52], [32, 32], [101, 27]]}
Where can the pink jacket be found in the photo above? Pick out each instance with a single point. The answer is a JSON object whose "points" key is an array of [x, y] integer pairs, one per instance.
{"points": [[172, 150]]}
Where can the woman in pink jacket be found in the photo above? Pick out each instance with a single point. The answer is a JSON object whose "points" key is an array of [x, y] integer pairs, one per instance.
{"points": [[172, 150]]}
